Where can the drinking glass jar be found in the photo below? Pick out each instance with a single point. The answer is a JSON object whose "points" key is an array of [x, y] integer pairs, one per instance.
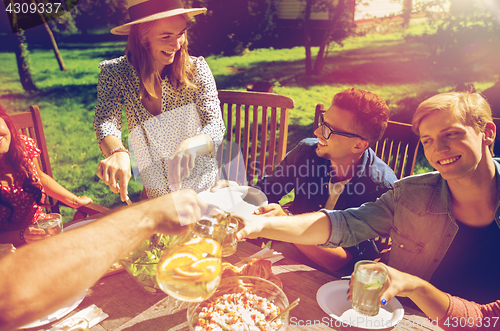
{"points": [[190, 269]]}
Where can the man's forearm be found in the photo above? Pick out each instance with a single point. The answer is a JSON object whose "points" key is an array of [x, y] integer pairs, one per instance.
{"points": [[43, 276], [433, 302], [306, 229]]}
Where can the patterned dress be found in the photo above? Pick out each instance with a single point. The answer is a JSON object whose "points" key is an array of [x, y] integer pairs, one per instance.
{"points": [[153, 139], [26, 210]]}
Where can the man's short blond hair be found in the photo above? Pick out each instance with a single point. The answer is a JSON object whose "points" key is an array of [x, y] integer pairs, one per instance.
{"points": [[471, 109]]}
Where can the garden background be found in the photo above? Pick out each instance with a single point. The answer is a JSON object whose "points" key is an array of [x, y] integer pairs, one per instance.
{"points": [[404, 61]]}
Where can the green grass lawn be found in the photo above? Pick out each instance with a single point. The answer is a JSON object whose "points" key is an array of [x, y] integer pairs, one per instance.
{"points": [[400, 70]]}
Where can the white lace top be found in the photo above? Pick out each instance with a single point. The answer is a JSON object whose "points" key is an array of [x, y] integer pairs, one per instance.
{"points": [[152, 139]]}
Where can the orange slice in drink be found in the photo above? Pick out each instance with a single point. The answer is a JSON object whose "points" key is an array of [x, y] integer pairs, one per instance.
{"points": [[188, 273], [193, 250], [210, 266], [206, 245], [204, 269], [177, 260]]}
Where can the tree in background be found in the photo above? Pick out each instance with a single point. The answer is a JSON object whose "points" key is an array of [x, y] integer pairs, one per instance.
{"points": [[91, 14], [23, 63], [230, 26], [339, 26], [407, 8]]}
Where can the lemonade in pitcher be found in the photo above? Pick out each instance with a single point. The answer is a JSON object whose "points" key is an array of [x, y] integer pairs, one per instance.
{"points": [[190, 270]]}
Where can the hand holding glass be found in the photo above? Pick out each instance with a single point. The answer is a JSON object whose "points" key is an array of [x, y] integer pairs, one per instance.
{"points": [[51, 224], [230, 243], [368, 285]]}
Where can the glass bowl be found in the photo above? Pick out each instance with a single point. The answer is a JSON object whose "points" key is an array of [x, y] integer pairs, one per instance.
{"points": [[144, 274], [141, 263], [241, 284]]}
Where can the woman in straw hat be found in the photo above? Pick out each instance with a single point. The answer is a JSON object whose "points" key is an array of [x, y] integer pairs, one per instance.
{"points": [[173, 115]]}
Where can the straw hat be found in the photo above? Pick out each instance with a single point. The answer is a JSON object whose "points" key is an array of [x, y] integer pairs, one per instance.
{"points": [[141, 11]]}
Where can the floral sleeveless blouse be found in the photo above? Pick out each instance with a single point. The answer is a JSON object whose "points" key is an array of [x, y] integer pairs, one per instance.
{"points": [[26, 210]]}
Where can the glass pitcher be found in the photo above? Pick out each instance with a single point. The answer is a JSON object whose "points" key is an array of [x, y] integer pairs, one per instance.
{"points": [[190, 269]]}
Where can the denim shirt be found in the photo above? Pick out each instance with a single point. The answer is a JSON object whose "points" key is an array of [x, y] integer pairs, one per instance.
{"points": [[308, 174], [417, 215]]}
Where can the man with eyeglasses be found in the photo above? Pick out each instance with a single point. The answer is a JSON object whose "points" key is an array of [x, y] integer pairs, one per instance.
{"points": [[336, 170]]}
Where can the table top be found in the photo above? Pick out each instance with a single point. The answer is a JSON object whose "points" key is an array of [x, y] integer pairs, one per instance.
{"points": [[131, 308]]}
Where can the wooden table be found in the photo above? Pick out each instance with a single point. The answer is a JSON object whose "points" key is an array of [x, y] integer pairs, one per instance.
{"points": [[130, 308]]}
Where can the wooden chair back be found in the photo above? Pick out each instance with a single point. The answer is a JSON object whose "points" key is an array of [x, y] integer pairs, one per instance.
{"points": [[30, 124], [398, 146], [257, 123]]}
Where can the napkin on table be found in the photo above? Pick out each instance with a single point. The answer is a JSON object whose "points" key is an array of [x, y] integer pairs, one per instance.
{"points": [[264, 254], [92, 313]]}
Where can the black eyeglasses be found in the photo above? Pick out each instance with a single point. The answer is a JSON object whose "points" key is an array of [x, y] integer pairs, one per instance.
{"points": [[328, 131]]}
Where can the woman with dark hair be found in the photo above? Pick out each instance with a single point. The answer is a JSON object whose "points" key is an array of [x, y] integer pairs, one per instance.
{"points": [[24, 187], [171, 104]]}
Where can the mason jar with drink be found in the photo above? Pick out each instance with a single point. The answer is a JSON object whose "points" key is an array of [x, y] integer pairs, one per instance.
{"points": [[368, 279]]}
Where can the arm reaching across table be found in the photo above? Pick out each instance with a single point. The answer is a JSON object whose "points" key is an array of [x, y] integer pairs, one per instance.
{"points": [[450, 312], [306, 229], [46, 275]]}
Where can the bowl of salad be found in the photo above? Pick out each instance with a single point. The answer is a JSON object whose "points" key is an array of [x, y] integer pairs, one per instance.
{"points": [[141, 263]]}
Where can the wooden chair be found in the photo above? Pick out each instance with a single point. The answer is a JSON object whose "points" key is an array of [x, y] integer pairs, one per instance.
{"points": [[256, 125], [398, 146], [30, 124]]}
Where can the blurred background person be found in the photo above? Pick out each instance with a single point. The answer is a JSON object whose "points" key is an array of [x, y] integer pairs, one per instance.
{"points": [[25, 187]]}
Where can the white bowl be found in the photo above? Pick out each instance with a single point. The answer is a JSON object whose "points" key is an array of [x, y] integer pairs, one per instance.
{"points": [[243, 200]]}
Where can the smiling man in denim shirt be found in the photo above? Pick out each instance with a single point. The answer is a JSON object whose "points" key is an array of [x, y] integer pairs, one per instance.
{"points": [[444, 224]]}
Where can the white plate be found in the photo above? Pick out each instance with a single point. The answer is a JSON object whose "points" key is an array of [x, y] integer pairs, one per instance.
{"points": [[79, 224], [57, 314], [332, 298], [242, 200]]}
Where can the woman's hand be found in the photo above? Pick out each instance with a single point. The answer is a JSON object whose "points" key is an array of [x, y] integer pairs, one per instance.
{"points": [[115, 172], [33, 234], [180, 165], [177, 210], [272, 209], [223, 183], [433, 302], [181, 162], [398, 284], [81, 201]]}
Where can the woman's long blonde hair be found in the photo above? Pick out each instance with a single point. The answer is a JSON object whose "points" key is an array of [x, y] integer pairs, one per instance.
{"points": [[180, 72]]}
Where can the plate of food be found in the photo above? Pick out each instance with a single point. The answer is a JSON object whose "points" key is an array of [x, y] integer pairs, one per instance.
{"points": [[58, 314], [243, 200], [332, 298], [76, 225]]}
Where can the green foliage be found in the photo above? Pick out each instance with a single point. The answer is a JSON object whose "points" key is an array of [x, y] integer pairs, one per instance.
{"points": [[468, 39], [231, 26], [90, 14]]}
